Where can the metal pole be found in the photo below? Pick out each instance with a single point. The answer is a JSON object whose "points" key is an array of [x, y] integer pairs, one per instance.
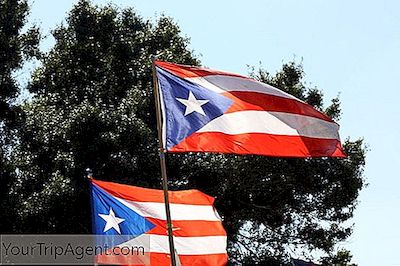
{"points": [[89, 176], [161, 152]]}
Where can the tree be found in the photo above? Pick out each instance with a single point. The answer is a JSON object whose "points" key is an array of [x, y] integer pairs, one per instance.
{"points": [[93, 107], [15, 48], [342, 258]]}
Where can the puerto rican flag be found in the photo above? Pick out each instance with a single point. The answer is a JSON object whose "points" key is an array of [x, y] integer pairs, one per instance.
{"points": [[212, 111], [123, 210]]}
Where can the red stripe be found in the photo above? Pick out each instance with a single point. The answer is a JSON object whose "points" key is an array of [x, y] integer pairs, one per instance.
{"points": [[117, 256], [193, 196], [185, 71], [255, 101], [192, 228], [261, 144], [161, 259]]}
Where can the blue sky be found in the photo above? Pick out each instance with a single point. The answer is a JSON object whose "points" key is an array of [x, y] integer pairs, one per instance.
{"points": [[347, 47]]}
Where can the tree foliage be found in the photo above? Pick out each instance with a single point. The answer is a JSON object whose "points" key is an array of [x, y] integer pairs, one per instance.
{"points": [[93, 107], [15, 48], [342, 258]]}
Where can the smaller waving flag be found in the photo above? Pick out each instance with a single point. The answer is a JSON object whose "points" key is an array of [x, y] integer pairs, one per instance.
{"points": [[199, 236], [213, 111]]}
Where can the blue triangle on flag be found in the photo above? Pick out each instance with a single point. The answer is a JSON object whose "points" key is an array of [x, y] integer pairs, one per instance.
{"points": [[123, 220], [178, 125]]}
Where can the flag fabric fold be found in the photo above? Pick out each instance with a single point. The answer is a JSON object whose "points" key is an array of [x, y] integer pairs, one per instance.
{"points": [[199, 236], [213, 111]]}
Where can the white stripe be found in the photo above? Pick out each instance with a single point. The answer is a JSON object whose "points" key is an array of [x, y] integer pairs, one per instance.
{"points": [[200, 245], [163, 117], [276, 123], [180, 212], [221, 84]]}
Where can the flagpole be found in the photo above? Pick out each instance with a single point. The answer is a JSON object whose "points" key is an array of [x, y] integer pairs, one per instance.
{"points": [[89, 177], [161, 152]]}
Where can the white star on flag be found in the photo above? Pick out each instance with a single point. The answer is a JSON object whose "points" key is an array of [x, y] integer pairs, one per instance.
{"points": [[111, 221], [192, 104]]}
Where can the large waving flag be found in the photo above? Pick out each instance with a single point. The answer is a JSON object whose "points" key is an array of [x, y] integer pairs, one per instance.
{"points": [[212, 111], [199, 236]]}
